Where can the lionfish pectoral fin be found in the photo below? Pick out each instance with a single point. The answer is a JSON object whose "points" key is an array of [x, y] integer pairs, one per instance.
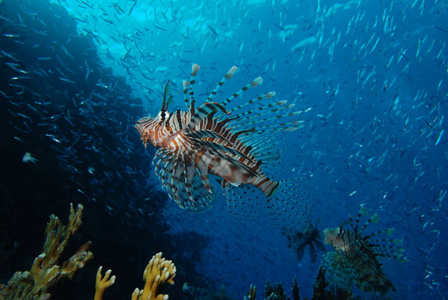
{"points": [[225, 150], [191, 187], [175, 183], [206, 182], [203, 173], [206, 134], [167, 169], [188, 177]]}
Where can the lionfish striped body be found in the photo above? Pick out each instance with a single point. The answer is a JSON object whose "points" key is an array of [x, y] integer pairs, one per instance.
{"points": [[356, 260], [212, 140]]}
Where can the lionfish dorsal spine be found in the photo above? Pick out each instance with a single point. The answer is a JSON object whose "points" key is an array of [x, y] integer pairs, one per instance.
{"points": [[253, 100], [185, 85], [226, 77], [372, 219], [205, 133], [165, 101], [259, 129], [188, 88], [255, 119], [203, 111], [257, 81]]}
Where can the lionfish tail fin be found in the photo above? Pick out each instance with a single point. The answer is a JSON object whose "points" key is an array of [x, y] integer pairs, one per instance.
{"points": [[290, 204], [284, 204]]}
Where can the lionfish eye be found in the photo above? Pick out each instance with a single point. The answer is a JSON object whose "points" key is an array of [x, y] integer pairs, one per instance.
{"points": [[340, 233], [163, 115]]}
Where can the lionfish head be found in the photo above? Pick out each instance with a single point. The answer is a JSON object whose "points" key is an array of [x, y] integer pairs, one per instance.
{"points": [[337, 237], [148, 126]]}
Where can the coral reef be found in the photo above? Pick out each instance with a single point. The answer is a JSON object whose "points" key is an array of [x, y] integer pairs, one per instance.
{"points": [[102, 283], [158, 272], [199, 293], [320, 291], [252, 293], [45, 271], [275, 292]]}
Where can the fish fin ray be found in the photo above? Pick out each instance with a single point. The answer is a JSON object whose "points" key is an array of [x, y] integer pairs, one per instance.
{"points": [[203, 111], [226, 77], [290, 206], [257, 81]]}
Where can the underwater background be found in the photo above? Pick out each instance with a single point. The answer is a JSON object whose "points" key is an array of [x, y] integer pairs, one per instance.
{"points": [[370, 76]]}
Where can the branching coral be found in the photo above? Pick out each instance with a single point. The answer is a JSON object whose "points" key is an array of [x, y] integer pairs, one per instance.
{"points": [[102, 283], [45, 272], [157, 272], [275, 292], [252, 293]]}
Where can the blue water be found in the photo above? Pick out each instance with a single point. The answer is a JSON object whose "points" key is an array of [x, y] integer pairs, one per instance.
{"points": [[370, 76]]}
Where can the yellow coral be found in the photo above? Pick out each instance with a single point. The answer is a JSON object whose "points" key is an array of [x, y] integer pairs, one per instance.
{"points": [[102, 283], [45, 272], [157, 272]]}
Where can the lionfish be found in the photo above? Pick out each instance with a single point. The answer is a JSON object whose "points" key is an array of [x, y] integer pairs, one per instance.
{"points": [[214, 141], [309, 237], [356, 260]]}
